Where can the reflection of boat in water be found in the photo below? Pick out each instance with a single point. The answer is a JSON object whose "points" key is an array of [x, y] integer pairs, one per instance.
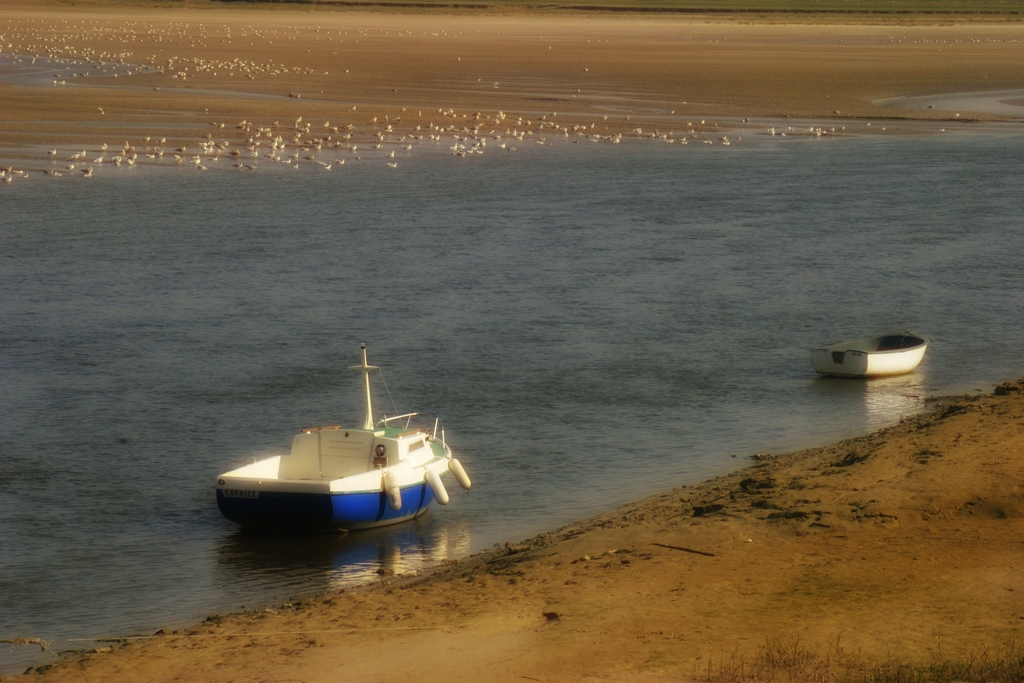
{"points": [[889, 354], [338, 478], [257, 566], [871, 405], [254, 567]]}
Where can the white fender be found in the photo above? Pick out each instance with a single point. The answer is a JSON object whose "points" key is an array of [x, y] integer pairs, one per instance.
{"points": [[436, 486], [393, 492], [460, 473]]}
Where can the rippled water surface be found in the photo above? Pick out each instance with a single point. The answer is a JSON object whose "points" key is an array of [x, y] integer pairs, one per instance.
{"points": [[593, 323]]}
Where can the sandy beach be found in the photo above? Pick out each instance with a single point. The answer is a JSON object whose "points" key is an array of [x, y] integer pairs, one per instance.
{"points": [[902, 546], [73, 78]]}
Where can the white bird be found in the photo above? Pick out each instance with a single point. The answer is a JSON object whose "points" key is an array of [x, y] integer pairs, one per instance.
{"points": [[393, 164], [87, 172]]}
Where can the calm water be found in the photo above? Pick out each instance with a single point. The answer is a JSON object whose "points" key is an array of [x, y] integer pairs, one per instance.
{"points": [[594, 323]]}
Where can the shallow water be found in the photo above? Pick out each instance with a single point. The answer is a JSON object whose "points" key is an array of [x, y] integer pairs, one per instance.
{"points": [[998, 102], [593, 323]]}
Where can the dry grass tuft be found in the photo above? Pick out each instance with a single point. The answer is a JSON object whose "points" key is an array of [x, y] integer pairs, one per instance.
{"points": [[1001, 666], [785, 661], [781, 661]]}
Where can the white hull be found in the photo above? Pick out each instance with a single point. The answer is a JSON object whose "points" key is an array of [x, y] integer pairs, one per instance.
{"points": [[894, 354]]}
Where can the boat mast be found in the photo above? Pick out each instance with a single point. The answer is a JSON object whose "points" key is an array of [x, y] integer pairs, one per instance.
{"points": [[368, 423]]}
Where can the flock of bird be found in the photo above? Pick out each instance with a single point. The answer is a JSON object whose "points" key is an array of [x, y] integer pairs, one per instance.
{"points": [[247, 144], [72, 46], [74, 50]]}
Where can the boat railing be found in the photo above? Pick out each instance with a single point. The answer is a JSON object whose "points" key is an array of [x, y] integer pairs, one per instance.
{"points": [[434, 433], [407, 417]]}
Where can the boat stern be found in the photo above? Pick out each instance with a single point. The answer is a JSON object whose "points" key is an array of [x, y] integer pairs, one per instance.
{"points": [[848, 363]]}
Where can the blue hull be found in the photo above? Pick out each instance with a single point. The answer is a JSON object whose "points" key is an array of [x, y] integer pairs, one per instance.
{"points": [[313, 512]]}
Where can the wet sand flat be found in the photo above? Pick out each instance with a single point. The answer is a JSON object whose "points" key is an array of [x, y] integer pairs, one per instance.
{"points": [[903, 544], [156, 69]]}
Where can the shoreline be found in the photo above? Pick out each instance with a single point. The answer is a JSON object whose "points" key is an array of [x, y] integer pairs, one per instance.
{"points": [[895, 543]]}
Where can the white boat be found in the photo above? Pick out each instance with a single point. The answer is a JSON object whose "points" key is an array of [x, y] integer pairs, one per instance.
{"points": [[337, 478], [888, 354]]}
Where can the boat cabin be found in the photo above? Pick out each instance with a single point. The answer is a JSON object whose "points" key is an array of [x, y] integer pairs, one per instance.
{"points": [[325, 453]]}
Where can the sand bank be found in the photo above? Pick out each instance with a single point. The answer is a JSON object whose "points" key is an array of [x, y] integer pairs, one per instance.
{"points": [[904, 543], [109, 74]]}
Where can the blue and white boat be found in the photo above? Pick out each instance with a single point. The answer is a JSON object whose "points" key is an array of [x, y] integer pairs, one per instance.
{"points": [[338, 478]]}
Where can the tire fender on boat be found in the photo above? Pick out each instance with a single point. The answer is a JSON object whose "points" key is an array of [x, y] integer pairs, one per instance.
{"points": [[460, 473], [436, 486], [394, 493]]}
